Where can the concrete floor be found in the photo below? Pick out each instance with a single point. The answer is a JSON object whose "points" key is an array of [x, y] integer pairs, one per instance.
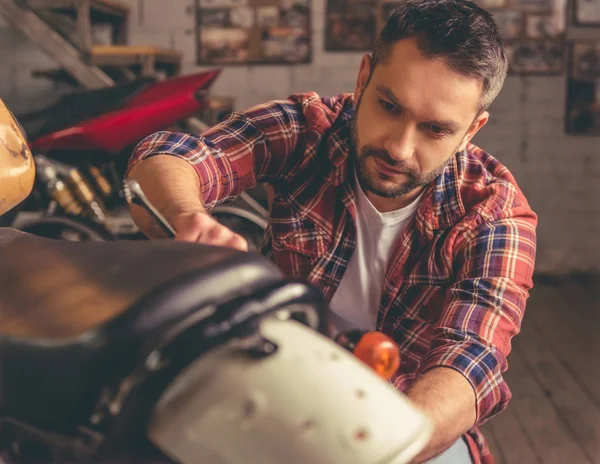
{"points": [[554, 374]]}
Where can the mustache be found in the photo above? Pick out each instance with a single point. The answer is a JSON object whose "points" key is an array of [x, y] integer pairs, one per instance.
{"points": [[384, 156]]}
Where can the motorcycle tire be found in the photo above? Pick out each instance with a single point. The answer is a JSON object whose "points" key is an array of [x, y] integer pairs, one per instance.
{"points": [[7, 219], [243, 222], [68, 228]]}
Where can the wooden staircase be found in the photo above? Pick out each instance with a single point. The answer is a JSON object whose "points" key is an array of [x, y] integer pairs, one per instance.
{"points": [[29, 22], [64, 30]]}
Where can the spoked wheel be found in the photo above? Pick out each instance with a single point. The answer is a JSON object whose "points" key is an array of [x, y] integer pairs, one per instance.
{"points": [[72, 229], [243, 222]]}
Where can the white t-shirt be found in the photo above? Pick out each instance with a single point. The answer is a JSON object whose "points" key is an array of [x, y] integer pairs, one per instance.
{"points": [[356, 301]]}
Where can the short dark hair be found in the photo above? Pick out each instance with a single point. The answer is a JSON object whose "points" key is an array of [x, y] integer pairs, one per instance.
{"points": [[462, 32]]}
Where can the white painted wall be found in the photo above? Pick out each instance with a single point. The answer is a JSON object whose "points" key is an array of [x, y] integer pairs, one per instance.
{"points": [[559, 174]]}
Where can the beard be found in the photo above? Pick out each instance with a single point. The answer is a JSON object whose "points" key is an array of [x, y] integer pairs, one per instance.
{"points": [[379, 183]]}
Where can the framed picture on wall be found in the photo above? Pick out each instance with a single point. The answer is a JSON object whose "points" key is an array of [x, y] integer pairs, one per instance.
{"points": [[510, 23], [492, 4], [542, 57], [534, 34], [534, 6], [224, 45], [253, 32], [545, 27], [585, 60], [586, 12], [583, 89], [350, 25]]}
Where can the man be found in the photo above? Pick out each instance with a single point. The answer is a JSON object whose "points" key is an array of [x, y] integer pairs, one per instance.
{"points": [[17, 170], [381, 200]]}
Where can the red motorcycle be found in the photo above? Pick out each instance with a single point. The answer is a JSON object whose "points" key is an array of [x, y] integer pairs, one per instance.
{"points": [[82, 144]]}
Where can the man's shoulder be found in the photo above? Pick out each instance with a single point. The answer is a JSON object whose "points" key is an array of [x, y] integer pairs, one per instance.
{"points": [[314, 99], [321, 110], [487, 187]]}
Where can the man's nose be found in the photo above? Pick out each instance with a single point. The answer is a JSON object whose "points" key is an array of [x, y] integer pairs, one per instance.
{"points": [[401, 143]]}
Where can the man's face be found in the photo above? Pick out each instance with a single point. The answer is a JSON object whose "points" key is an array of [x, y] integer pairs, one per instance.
{"points": [[410, 118]]}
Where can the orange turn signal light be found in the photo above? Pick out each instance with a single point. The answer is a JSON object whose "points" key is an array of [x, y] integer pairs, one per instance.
{"points": [[375, 349]]}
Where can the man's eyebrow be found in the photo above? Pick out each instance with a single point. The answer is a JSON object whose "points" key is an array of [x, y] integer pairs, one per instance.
{"points": [[449, 126]]}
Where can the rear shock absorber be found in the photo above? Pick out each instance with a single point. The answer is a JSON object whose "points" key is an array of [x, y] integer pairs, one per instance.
{"points": [[85, 194], [100, 181], [56, 189]]}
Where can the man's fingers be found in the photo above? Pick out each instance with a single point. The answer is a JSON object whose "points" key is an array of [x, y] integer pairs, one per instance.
{"points": [[202, 228], [187, 235], [222, 236], [238, 242], [216, 234], [189, 227]]}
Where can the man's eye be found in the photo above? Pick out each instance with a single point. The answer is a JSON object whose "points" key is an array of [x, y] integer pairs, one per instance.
{"points": [[388, 106], [438, 131]]}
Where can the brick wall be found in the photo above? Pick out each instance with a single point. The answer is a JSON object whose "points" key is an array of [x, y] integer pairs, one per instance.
{"points": [[560, 174]]}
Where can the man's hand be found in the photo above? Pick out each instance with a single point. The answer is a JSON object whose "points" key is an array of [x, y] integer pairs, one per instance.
{"points": [[447, 397], [172, 185], [202, 228]]}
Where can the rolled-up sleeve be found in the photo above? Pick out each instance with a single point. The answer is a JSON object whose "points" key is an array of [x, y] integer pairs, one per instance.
{"points": [[484, 307], [260, 144]]}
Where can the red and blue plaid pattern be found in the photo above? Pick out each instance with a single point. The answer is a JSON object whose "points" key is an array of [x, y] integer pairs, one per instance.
{"points": [[455, 290]]}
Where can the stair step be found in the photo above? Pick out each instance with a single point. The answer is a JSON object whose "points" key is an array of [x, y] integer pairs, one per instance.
{"points": [[110, 7], [103, 54], [147, 59]]}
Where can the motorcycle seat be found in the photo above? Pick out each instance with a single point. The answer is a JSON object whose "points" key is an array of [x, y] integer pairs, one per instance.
{"points": [[74, 314], [73, 108]]}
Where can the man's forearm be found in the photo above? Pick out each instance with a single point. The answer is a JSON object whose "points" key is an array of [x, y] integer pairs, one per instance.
{"points": [[448, 399], [171, 185]]}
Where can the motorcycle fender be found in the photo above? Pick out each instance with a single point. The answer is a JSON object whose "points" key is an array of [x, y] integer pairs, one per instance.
{"points": [[309, 402]]}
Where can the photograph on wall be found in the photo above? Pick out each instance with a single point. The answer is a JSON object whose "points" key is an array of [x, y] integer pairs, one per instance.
{"points": [[242, 17], [542, 27], [253, 32], [533, 32], [209, 4], [491, 4], [536, 57], [267, 16], [294, 13], [285, 44], [585, 60], [587, 12], [224, 45], [215, 17], [350, 25], [535, 6], [583, 89], [510, 24]]}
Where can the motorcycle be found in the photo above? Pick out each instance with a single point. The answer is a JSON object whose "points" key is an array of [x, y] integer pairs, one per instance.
{"points": [[164, 351], [80, 168]]}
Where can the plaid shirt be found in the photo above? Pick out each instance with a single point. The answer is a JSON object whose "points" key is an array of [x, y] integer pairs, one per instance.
{"points": [[455, 290]]}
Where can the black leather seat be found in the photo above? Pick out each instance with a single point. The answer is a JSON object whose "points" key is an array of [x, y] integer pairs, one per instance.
{"points": [[78, 106], [75, 315]]}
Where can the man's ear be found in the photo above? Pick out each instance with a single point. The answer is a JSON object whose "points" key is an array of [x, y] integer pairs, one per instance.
{"points": [[477, 124], [364, 73]]}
